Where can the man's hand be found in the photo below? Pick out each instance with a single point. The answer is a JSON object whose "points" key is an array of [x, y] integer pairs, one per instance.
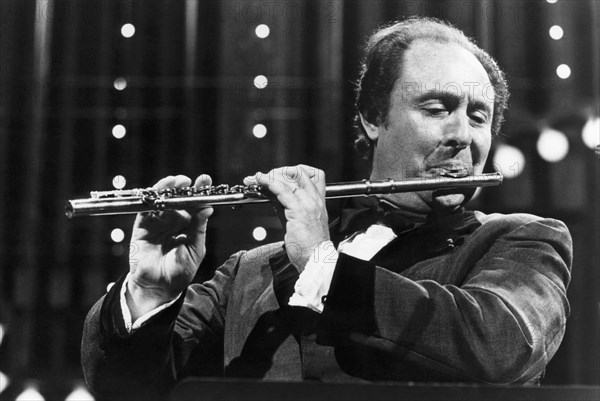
{"points": [[301, 191], [171, 246]]}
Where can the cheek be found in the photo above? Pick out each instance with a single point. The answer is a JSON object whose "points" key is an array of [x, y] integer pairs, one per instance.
{"points": [[405, 151], [414, 135], [481, 150], [426, 138]]}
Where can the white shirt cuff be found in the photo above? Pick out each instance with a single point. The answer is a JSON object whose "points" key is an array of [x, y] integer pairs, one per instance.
{"points": [[366, 245], [314, 281], [132, 327]]}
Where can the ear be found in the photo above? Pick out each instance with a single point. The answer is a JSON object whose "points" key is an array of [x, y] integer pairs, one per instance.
{"points": [[371, 129]]}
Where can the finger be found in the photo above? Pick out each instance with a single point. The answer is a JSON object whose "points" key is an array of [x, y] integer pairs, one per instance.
{"points": [[308, 178], [171, 181], [317, 176], [196, 231], [182, 181], [283, 189], [145, 218], [250, 180], [171, 220], [308, 183], [203, 180], [166, 182]]}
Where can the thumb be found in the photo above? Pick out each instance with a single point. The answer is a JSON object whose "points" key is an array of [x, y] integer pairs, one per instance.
{"points": [[196, 231]]}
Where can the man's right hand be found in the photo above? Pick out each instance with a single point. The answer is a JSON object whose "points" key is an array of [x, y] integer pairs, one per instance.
{"points": [[170, 245]]}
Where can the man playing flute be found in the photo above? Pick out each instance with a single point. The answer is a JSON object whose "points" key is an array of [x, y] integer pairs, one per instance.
{"points": [[399, 287]]}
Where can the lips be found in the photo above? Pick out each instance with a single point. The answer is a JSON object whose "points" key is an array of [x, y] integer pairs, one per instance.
{"points": [[454, 170]]}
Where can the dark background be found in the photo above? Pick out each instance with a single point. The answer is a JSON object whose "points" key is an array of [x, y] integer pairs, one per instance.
{"points": [[189, 107]]}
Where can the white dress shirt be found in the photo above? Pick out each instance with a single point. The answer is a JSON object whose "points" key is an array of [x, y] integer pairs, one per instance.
{"points": [[314, 281]]}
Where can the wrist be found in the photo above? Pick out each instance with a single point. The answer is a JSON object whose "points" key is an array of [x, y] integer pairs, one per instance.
{"points": [[142, 300], [312, 254]]}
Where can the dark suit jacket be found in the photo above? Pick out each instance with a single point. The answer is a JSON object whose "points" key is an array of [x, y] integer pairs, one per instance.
{"points": [[490, 309]]}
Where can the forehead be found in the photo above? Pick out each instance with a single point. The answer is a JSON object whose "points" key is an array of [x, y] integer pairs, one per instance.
{"points": [[445, 66]]}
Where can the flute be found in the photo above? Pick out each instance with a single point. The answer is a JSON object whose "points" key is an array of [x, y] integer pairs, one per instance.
{"points": [[138, 200]]}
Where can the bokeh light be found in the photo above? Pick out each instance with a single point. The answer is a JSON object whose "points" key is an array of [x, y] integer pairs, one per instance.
{"points": [[509, 160], [119, 182], [128, 30], [30, 394], [4, 382], [117, 235], [590, 134], [259, 233], [79, 393], [120, 83], [119, 131], [262, 31], [552, 145], [260, 81], [556, 32], [259, 131], [563, 71]]}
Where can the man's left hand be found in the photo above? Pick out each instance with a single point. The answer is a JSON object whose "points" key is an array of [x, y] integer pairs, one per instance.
{"points": [[301, 191]]}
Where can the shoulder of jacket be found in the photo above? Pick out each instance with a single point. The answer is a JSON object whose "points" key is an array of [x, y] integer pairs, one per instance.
{"points": [[517, 219], [262, 253], [512, 221]]}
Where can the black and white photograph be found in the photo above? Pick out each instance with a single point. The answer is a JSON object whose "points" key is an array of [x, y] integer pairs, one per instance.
{"points": [[299, 200]]}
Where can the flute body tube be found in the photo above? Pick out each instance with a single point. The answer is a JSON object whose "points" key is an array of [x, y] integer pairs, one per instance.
{"points": [[146, 200]]}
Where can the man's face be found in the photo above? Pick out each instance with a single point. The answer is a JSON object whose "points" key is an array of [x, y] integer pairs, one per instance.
{"points": [[439, 120]]}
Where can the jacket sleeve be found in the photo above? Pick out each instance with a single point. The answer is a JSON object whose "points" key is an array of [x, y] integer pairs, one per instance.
{"points": [[183, 339], [501, 324]]}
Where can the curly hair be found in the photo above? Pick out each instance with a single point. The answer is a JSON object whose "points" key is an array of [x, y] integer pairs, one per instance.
{"points": [[381, 66]]}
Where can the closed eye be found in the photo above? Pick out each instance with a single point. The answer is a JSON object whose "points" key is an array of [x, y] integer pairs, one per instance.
{"points": [[435, 108], [479, 117], [436, 111]]}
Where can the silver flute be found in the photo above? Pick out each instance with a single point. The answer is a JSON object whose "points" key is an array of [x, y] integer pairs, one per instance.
{"points": [[126, 201]]}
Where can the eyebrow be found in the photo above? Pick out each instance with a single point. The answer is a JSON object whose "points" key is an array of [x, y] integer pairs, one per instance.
{"points": [[451, 97]]}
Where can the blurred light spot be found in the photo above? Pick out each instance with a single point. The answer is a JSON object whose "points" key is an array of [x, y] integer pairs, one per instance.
{"points": [[556, 32], [476, 193], [119, 131], [117, 235], [1, 332], [262, 31], [563, 71], [118, 250], [259, 131], [109, 286], [121, 113], [128, 30], [30, 394], [79, 393], [551, 1], [119, 182], [509, 160], [259, 233], [4, 382], [260, 81], [120, 83], [552, 145], [590, 134]]}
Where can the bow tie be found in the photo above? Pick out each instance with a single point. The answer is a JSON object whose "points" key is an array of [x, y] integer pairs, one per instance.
{"points": [[358, 214]]}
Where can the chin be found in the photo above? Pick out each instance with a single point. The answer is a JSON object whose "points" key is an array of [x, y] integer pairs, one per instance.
{"points": [[448, 202]]}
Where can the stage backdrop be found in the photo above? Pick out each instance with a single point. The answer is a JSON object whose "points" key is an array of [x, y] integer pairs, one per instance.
{"points": [[101, 93]]}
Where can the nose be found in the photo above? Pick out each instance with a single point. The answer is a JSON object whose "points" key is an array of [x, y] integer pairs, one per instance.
{"points": [[457, 131]]}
